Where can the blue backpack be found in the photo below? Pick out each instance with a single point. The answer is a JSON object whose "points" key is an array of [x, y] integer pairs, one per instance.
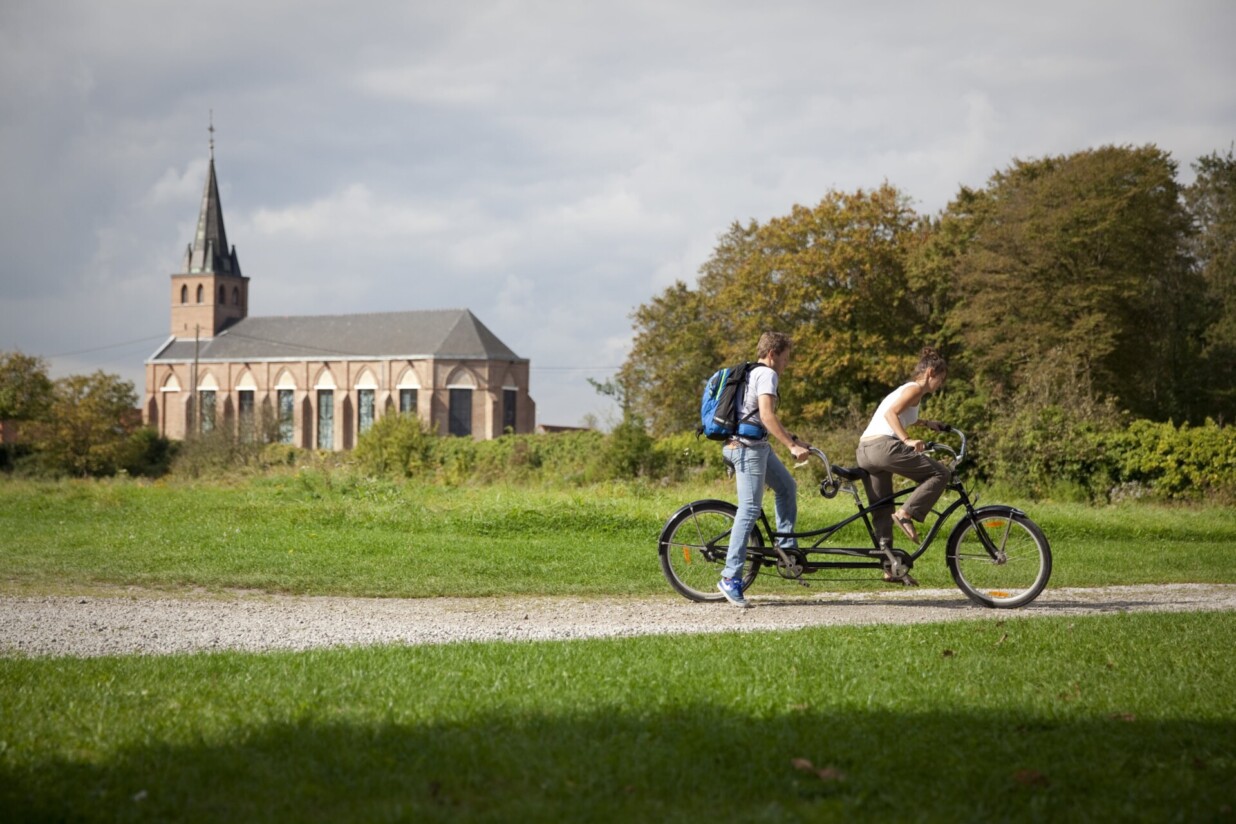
{"points": [[723, 397]]}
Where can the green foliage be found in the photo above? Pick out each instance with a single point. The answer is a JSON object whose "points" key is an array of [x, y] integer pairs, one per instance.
{"points": [[400, 446], [25, 390], [394, 445], [1212, 203], [688, 457], [221, 452], [1080, 259], [149, 454], [1185, 462], [628, 451], [88, 426], [832, 276]]}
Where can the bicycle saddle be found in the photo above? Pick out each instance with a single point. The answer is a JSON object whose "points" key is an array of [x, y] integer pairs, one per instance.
{"points": [[850, 473]]}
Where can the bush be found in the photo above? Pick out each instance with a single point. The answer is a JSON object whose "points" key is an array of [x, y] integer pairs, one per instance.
{"points": [[148, 454], [1185, 463], [687, 457], [629, 452], [395, 444]]}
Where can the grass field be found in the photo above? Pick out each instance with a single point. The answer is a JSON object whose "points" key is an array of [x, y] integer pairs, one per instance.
{"points": [[313, 533], [1118, 717], [1125, 717]]}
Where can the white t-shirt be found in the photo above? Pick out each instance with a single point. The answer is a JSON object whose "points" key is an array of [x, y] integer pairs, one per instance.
{"points": [[880, 426], [761, 380]]}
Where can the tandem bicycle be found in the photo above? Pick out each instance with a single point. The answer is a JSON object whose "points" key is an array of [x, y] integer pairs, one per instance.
{"points": [[996, 554]]}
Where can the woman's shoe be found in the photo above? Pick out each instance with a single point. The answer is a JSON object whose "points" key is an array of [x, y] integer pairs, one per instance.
{"points": [[907, 525]]}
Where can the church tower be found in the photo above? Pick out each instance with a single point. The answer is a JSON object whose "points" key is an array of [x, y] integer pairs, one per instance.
{"points": [[210, 293]]}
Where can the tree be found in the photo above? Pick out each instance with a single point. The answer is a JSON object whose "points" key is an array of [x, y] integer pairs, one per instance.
{"points": [[89, 425], [25, 389], [675, 345], [1080, 260], [832, 276], [1211, 200]]}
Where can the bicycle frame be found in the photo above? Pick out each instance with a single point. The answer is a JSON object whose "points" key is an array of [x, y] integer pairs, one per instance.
{"points": [[864, 513], [872, 555]]}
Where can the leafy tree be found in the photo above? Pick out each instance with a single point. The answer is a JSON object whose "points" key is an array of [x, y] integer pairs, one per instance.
{"points": [[89, 425], [832, 276], [1212, 203], [674, 348], [1080, 261], [25, 389]]}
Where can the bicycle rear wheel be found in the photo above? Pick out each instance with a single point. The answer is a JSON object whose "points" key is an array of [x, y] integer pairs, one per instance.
{"points": [[1000, 559], [693, 545]]}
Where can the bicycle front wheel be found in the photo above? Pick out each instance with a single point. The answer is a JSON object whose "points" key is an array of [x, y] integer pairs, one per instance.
{"points": [[693, 546], [1000, 558]]}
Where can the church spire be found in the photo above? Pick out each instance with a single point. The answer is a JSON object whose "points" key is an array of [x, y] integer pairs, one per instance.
{"points": [[209, 252]]}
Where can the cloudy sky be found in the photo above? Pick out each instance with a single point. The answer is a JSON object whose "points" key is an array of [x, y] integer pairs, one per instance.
{"points": [[548, 164]]}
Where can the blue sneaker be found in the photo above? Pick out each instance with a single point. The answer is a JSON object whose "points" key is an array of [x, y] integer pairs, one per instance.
{"points": [[731, 588]]}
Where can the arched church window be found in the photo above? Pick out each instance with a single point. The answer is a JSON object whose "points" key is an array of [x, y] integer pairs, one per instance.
{"points": [[199, 293], [222, 296], [236, 296], [184, 294]]}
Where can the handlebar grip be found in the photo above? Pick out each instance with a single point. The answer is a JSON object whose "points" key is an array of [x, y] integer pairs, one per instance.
{"points": [[936, 426]]}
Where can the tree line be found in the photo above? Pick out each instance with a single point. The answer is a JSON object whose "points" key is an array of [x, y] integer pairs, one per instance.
{"points": [[1093, 287]]}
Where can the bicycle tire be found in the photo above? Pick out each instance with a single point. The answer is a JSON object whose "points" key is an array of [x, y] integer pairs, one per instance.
{"points": [[1019, 571], [692, 549]]}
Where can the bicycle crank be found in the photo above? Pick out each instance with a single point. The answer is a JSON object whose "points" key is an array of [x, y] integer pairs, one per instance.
{"points": [[789, 566]]}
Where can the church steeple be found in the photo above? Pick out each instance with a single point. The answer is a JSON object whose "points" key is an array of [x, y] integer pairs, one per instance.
{"points": [[209, 293], [209, 252]]}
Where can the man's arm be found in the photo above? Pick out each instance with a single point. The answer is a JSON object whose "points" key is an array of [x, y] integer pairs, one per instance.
{"points": [[768, 417]]}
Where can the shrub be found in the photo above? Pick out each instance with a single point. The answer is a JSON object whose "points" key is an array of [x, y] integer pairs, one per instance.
{"points": [[629, 452], [1185, 463], [395, 444], [148, 454]]}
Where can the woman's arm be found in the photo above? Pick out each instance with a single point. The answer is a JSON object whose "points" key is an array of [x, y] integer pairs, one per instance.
{"points": [[909, 396]]}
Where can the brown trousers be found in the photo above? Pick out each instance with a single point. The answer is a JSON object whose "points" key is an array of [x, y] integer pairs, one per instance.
{"points": [[884, 457]]}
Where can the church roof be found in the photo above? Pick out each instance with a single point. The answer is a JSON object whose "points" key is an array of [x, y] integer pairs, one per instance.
{"points": [[436, 333]]}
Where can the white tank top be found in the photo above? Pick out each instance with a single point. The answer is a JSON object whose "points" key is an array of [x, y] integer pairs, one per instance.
{"points": [[879, 425]]}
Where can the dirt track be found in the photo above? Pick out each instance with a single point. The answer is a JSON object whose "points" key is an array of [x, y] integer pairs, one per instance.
{"points": [[131, 621]]}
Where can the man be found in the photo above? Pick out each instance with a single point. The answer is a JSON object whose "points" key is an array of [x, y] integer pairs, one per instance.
{"points": [[755, 463]]}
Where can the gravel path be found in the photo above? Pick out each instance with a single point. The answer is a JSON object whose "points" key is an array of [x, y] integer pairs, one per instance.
{"points": [[136, 621]]}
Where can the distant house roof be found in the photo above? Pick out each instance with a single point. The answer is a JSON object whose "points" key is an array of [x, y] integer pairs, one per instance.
{"points": [[440, 333]]}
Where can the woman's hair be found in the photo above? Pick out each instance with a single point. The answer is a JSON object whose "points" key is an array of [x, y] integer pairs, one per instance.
{"points": [[929, 359], [772, 343]]}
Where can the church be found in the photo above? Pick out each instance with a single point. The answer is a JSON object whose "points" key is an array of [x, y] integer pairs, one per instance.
{"points": [[319, 381]]}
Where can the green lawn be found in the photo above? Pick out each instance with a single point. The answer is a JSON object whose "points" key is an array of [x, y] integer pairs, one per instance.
{"points": [[1123, 717], [315, 533]]}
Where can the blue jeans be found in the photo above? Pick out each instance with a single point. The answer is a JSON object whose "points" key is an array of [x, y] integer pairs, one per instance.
{"points": [[754, 467]]}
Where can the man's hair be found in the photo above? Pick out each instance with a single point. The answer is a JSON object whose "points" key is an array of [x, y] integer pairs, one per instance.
{"points": [[772, 343]]}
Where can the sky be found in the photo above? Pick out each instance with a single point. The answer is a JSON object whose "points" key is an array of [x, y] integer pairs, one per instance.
{"points": [[550, 165]]}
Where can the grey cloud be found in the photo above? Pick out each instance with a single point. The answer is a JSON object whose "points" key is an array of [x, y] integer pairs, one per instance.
{"points": [[548, 164]]}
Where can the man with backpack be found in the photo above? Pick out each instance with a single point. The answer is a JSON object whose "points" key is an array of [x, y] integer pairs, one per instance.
{"points": [[755, 464]]}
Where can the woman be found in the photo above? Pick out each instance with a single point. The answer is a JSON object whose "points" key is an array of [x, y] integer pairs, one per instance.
{"points": [[886, 449]]}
